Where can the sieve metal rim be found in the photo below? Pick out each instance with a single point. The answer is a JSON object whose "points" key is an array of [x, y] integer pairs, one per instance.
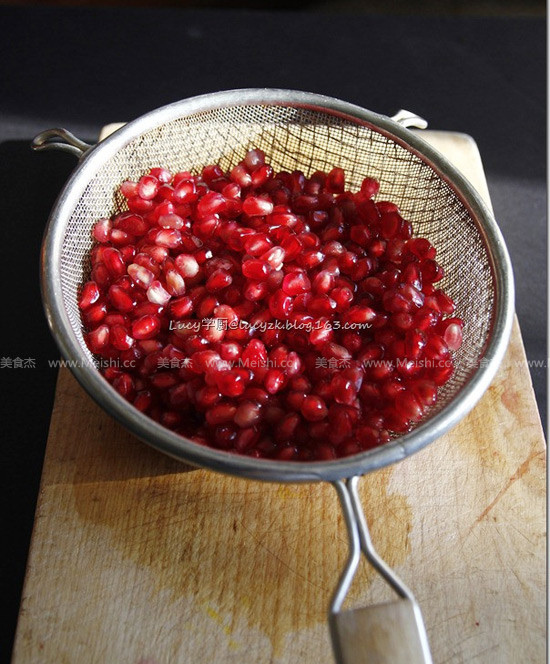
{"points": [[185, 450]]}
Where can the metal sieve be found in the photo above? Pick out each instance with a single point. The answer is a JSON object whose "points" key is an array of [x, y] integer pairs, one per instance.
{"points": [[309, 132]]}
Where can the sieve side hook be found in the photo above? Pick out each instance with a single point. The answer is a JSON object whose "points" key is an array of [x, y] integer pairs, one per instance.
{"points": [[392, 632], [60, 139], [409, 119]]}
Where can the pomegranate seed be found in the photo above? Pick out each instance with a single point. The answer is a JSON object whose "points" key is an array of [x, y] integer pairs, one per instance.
{"points": [[314, 408], [141, 275], [175, 284], [145, 327], [221, 413], [120, 338], [129, 189], [247, 414], [102, 230], [120, 299], [408, 406], [275, 257], [274, 380], [257, 244], [453, 336], [230, 383], [335, 182], [169, 238], [157, 294], [211, 203], [89, 295], [113, 262], [98, 339], [218, 280], [280, 304], [133, 224], [255, 206], [148, 187], [254, 159], [369, 187], [424, 391], [256, 269]]}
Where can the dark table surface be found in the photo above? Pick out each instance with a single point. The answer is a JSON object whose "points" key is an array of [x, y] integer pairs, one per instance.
{"points": [[82, 69]]}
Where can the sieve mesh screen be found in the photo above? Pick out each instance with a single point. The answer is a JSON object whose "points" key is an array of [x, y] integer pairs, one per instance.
{"points": [[306, 139]]}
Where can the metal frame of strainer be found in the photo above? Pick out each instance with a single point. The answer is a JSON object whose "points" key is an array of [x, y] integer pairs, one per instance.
{"points": [[343, 472]]}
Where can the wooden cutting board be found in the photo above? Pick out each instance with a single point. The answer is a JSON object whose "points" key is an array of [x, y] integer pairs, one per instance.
{"points": [[138, 559]]}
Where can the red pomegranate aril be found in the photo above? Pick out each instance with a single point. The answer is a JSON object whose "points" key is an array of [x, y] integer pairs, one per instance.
{"points": [[148, 187], [280, 304], [102, 230], [274, 381], [257, 244], [255, 206], [314, 408], [140, 275], [445, 303], [359, 315], [147, 308], [292, 246], [129, 189], [223, 412], [230, 383], [211, 203], [145, 327], [402, 321], [89, 295], [218, 280], [247, 414], [175, 283], [133, 224], [321, 305], [425, 391], [453, 336], [415, 341], [323, 282], [124, 385], [120, 238], [421, 248], [171, 221], [121, 299], [336, 181], [98, 339], [343, 297], [254, 159], [256, 269], [241, 176], [157, 294], [113, 261], [169, 238], [369, 187], [408, 406], [120, 338], [274, 256], [431, 271], [140, 205], [343, 390]]}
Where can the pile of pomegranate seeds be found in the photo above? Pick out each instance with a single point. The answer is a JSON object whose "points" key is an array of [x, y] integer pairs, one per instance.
{"points": [[269, 314]]}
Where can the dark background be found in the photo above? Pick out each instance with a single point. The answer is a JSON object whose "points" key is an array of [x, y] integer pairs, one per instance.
{"points": [[459, 64]]}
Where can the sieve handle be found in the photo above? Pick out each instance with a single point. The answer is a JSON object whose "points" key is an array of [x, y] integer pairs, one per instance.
{"points": [[60, 139], [409, 119], [392, 632]]}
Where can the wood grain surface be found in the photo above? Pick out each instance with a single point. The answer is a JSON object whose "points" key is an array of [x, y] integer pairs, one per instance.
{"points": [[138, 559]]}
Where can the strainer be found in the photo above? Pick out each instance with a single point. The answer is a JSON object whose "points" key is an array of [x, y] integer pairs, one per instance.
{"points": [[309, 132]]}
